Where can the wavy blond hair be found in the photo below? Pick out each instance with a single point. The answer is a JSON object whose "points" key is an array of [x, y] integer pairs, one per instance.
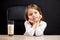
{"points": [[34, 6]]}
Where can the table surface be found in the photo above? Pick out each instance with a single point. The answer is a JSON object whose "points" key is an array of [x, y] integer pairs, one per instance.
{"points": [[22, 37]]}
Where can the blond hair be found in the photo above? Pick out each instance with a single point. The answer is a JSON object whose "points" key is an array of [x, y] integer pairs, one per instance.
{"points": [[34, 6]]}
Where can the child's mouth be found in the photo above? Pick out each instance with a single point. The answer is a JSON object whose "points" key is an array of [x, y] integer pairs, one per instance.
{"points": [[34, 19]]}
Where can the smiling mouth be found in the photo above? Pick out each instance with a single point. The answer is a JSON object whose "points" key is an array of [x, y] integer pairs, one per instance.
{"points": [[34, 19]]}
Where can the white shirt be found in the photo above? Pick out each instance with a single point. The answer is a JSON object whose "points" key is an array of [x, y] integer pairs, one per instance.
{"points": [[38, 31]]}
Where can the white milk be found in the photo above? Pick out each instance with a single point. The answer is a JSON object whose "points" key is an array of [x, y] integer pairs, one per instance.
{"points": [[10, 29]]}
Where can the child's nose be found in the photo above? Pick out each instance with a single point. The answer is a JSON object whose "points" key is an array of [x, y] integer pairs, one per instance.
{"points": [[33, 15]]}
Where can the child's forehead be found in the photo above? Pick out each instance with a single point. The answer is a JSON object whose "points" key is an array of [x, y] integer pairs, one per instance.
{"points": [[32, 9]]}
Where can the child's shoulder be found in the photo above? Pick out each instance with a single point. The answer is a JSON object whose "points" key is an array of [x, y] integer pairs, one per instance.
{"points": [[27, 21], [43, 22]]}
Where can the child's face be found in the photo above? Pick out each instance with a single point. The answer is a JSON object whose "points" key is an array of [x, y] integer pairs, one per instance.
{"points": [[34, 15]]}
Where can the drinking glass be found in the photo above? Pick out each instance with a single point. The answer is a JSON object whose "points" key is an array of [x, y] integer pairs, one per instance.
{"points": [[10, 27]]}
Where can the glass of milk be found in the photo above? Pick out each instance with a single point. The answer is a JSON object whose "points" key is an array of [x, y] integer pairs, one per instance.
{"points": [[10, 27]]}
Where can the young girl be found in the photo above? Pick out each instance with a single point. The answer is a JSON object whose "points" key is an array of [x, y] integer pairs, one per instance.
{"points": [[34, 24]]}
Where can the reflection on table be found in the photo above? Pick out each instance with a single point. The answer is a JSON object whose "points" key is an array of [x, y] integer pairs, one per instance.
{"points": [[22, 37]]}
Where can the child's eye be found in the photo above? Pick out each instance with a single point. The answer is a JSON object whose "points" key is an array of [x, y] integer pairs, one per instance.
{"points": [[30, 14], [35, 12]]}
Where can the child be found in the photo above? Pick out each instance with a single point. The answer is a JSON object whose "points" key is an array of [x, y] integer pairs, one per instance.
{"points": [[34, 24]]}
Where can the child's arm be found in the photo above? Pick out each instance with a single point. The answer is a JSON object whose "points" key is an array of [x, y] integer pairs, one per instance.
{"points": [[41, 28], [29, 30]]}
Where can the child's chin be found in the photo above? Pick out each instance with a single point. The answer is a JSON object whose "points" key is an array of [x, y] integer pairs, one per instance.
{"points": [[32, 22], [36, 20]]}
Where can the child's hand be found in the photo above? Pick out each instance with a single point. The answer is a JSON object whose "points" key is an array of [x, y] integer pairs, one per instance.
{"points": [[35, 25], [31, 21], [34, 22]]}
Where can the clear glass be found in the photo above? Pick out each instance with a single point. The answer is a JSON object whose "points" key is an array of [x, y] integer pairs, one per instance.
{"points": [[10, 27]]}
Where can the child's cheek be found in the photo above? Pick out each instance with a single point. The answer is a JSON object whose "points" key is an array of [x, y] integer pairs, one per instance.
{"points": [[30, 17]]}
